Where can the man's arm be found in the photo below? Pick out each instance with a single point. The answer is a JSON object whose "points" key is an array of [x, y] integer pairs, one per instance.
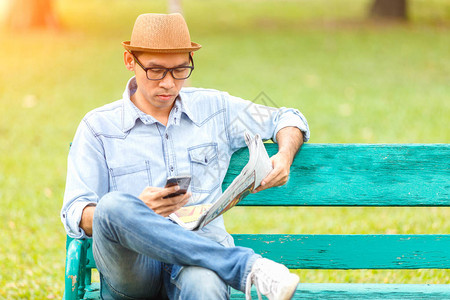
{"points": [[87, 181], [289, 139], [267, 121]]}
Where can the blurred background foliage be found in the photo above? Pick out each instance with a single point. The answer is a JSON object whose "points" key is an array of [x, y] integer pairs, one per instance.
{"points": [[358, 76]]}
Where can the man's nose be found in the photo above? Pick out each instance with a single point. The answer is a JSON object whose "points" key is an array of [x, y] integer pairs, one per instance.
{"points": [[168, 81]]}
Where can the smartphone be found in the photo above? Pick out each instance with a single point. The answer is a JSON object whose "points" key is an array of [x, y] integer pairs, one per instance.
{"points": [[183, 181]]}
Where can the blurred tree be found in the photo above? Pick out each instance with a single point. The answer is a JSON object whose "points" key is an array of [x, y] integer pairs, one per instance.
{"points": [[175, 6], [389, 9], [28, 14]]}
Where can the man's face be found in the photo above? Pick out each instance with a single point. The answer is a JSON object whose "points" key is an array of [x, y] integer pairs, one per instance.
{"points": [[157, 95]]}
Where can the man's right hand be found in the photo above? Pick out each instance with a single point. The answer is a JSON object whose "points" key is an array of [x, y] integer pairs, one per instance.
{"points": [[153, 197], [87, 218]]}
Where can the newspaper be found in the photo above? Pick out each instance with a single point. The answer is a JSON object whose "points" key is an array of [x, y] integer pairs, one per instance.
{"points": [[258, 167]]}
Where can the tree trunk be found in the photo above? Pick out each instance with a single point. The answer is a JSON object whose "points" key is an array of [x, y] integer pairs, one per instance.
{"points": [[389, 9], [30, 14], [175, 6]]}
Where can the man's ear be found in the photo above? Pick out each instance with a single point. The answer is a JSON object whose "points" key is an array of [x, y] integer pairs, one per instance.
{"points": [[128, 60]]}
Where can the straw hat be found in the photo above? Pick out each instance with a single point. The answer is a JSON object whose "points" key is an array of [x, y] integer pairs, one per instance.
{"points": [[161, 33]]}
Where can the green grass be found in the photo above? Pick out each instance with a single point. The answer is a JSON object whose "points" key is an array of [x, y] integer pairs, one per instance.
{"points": [[357, 82]]}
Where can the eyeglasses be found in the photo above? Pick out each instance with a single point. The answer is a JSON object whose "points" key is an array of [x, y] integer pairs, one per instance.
{"points": [[158, 73]]}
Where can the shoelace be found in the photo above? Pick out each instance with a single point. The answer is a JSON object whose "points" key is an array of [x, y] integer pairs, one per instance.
{"points": [[248, 287], [263, 284]]}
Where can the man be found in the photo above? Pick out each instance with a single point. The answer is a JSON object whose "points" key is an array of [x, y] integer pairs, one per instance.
{"points": [[123, 152]]}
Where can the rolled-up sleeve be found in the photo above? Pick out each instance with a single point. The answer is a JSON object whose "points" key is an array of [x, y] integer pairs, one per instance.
{"points": [[259, 119], [290, 117], [87, 178]]}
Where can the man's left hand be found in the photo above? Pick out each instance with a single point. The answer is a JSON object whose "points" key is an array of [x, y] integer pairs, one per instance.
{"points": [[279, 175], [290, 139]]}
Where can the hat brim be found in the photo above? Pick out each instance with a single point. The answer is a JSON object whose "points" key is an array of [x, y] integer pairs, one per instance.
{"points": [[194, 47]]}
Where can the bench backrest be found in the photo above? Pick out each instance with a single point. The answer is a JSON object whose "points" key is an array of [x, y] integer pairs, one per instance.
{"points": [[358, 175], [354, 175]]}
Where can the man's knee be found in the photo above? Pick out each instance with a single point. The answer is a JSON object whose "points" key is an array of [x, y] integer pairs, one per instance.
{"points": [[113, 209], [114, 204], [201, 283]]}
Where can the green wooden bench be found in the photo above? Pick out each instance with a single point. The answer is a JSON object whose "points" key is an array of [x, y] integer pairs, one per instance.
{"points": [[336, 175]]}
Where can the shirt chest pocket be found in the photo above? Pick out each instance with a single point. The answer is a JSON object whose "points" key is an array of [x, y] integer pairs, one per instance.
{"points": [[131, 179], [205, 172]]}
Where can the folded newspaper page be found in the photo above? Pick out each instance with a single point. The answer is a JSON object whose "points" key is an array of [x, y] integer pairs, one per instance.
{"points": [[258, 167]]}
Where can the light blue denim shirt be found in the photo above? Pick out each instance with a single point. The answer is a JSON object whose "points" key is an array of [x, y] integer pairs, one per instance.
{"points": [[117, 147]]}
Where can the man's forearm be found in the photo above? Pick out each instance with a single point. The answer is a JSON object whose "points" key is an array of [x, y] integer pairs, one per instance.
{"points": [[289, 140], [87, 219]]}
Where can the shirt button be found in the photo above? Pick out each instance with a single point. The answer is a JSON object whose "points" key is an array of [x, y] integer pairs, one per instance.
{"points": [[175, 120], [167, 136], [171, 168]]}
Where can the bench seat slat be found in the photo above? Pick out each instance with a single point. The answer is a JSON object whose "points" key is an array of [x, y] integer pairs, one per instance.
{"points": [[352, 251], [364, 291], [358, 175], [342, 291]]}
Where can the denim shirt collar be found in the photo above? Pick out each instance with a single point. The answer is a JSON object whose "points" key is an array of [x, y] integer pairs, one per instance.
{"points": [[183, 102], [131, 113]]}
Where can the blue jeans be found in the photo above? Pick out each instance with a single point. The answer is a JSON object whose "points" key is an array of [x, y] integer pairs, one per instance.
{"points": [[142, 255]]}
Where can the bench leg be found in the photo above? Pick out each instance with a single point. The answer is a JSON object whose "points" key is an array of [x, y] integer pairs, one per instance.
{"points": [[74, 285]]}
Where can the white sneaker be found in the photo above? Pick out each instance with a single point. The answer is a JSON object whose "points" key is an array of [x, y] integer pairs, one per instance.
{"points": [[271, 279]]}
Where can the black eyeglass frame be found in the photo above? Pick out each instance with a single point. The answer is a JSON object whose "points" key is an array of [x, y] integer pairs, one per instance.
{"points": [[166, 70]]}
